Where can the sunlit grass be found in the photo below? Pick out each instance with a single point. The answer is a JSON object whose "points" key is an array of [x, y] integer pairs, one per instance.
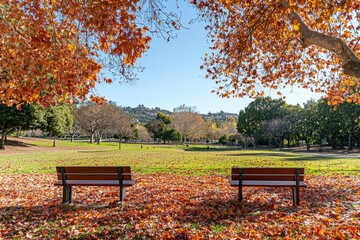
{"points": [[159, 158]]}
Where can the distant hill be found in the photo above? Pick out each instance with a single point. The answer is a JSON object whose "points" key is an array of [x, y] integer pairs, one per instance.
{"points": [[144, 114], [220, 116]]}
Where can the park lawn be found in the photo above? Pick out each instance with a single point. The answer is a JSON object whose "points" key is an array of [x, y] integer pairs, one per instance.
{"points": [[159, 158], [182, 193]]}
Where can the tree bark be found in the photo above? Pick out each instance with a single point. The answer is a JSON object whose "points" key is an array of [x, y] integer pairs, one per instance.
{"points": [[54, 141], [350, 62], [350, 148], [18, 132], [120, 143], [91, 137], [2, 140]]}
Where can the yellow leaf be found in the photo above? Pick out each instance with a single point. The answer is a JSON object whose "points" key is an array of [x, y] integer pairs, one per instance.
{"points": [[296, 26]]}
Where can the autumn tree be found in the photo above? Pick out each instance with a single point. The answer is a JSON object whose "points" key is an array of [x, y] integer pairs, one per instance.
{"points": [[55, 51], [141, 132], [263, 46], [76, 127], [95, 119], [188, 125], [121, 126], [212, 131]]}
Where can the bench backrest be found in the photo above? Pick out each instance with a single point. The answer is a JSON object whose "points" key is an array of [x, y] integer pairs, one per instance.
{"points": [[270, 174], [94, 173]]}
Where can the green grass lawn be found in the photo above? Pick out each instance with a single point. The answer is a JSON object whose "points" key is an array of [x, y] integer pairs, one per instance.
{"points": [[192, 160]]}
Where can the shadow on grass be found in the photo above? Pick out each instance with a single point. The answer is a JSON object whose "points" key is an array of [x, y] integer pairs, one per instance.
{"points": [[261, 154], [211, 149], [18, 144], [95, 151]]}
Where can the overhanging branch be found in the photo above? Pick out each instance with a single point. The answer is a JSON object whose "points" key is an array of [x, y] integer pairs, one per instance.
{"points": [[351, 63]]}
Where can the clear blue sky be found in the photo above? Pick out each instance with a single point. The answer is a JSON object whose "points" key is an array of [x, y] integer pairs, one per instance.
{"points": [[172, 77]]}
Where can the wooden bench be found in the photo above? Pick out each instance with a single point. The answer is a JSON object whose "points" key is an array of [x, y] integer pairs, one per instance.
{"points": [[93, 176], [268, 177]]}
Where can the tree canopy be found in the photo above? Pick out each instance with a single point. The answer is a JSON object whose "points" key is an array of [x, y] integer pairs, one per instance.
{"points": [[261, 46], [53, 51]]}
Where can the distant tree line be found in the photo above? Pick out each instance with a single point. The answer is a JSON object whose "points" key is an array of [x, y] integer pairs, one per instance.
{"points": [[109, 121], [273, 122], [264, 122]]}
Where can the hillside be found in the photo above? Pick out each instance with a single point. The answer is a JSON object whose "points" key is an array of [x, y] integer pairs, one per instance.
{"points": [[144, 114]]}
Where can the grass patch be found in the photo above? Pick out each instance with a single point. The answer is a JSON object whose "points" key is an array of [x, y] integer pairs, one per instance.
{"points": [[151, 159]]}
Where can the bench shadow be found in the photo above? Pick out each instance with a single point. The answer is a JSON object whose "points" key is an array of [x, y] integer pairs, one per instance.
{"points": [[217, 212]]}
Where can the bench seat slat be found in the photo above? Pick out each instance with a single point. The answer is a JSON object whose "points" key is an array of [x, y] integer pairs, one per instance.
{"points": [[126, 183], [266, 170], [92, 176], [267, 183], [94, 169], [271, 177]]}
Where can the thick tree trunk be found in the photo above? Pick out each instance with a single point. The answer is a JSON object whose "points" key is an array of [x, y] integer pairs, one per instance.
{"points": [[120, 143], [91, 137], [18, 132], [2, 140], [350, 62], [350, 147]]}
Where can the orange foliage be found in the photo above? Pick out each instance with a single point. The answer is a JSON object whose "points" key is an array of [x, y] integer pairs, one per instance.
{"points": [[169, 206], [259, 45], [52, 51]]}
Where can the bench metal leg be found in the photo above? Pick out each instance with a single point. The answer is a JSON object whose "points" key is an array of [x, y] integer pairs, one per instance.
{"points": [[296, 197], [122, 194], [67, 194], [240, 195]]}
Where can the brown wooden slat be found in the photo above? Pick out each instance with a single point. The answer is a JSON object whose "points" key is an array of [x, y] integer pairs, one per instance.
{"points": [[94, 169], [126, 176], [126, 183], [235, 170], [283, 177], [94, 173], [267, 183]]}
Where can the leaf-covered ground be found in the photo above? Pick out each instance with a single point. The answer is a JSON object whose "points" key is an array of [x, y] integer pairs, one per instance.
{"points": [[169, 206]]}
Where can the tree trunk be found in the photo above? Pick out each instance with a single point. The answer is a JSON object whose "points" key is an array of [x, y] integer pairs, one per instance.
{"points": [[72, 137], [350, 148], [307, 142], [119, 143], [307, 145], [2, 140], [92, 138], [18, 132], [350, 62], [54, 141]]}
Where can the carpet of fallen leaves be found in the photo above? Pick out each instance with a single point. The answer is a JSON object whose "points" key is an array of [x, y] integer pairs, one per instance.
{"points": [[179, 207]]}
